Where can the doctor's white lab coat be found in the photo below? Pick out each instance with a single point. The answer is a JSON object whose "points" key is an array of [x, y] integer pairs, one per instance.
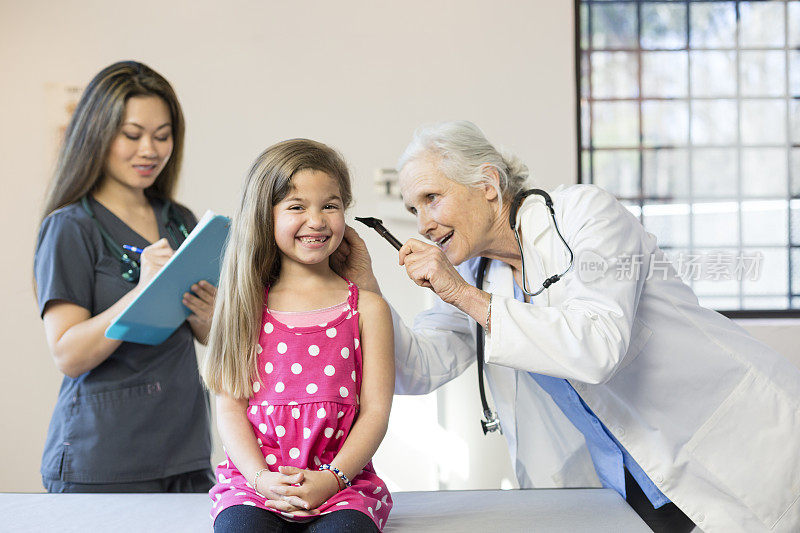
{"points": [[709, 413]]}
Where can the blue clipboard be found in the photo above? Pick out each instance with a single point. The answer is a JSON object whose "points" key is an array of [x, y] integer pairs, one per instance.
{"points": [[158, 310]]}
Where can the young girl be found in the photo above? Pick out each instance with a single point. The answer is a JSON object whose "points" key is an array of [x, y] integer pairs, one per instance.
{"points": [[301, 362]]}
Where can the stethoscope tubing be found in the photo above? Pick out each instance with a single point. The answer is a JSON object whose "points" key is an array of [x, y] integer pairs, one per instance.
{"points": [[491, 422], [169, 216], [552, 279]]}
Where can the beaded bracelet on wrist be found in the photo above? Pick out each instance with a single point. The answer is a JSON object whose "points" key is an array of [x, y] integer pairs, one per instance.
{"points": [[255, 480], [339, 484], [341, 475]]}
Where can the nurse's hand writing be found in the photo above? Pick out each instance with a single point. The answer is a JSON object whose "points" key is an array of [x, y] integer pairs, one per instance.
{"points": [[152, 259], [316, 488], [427, 266], [201, 303], [352, 261]]}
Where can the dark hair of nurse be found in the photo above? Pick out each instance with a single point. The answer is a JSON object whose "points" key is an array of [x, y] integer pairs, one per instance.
{"points": [[97, 121]]}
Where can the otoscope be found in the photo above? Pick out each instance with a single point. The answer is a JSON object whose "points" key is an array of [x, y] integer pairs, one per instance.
{"points": [[377, 225]]}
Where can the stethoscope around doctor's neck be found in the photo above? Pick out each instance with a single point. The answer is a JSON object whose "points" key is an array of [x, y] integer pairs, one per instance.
{"points": [[491, 422], [130, 268]]}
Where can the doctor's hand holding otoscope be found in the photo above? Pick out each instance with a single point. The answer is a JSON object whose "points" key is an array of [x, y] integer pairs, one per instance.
{"points": [[425, 264]]}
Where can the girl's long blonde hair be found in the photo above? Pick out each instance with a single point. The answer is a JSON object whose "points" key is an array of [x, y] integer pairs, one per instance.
{"points": [[252, 260]]}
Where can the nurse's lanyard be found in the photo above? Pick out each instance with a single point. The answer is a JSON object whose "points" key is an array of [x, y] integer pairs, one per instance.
{"points": [[491, 422]]}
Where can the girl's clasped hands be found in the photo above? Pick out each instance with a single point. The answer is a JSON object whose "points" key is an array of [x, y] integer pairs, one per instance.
{"points": [[297, 491]]}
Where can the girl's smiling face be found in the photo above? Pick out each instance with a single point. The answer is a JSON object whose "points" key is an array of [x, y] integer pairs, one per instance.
{"points": [[309, 222]]}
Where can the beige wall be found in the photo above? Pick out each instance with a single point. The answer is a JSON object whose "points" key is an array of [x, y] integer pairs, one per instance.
{"points": [[357, 75]]}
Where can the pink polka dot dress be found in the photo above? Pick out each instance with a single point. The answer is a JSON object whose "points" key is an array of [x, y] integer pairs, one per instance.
{"points": [[302, 409]]}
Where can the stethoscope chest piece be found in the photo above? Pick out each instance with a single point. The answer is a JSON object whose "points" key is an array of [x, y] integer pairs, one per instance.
{"points": [[492, 423]]}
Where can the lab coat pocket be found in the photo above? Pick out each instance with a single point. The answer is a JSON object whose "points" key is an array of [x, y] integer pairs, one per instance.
{"points": [[750, 444]]}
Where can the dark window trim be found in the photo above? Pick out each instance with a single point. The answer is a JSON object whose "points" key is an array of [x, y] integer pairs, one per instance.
{"points": [[735, 314], [755, 313]]}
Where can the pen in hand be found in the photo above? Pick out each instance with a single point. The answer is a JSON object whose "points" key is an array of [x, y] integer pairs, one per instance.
{"points": [[133, 249]]}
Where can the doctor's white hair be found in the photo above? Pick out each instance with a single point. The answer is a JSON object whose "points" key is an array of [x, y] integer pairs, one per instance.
{"points": [[463, 154]]}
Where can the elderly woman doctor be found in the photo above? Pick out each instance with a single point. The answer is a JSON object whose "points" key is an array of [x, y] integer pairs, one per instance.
{"points": [[680, 410]]}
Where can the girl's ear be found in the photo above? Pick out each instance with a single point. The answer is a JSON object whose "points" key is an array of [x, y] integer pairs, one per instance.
{"points": [[490, 189]]}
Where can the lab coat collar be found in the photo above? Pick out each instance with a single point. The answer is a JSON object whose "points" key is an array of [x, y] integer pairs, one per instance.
{"points": [[533, 217], [535, 224], [499, 279]]}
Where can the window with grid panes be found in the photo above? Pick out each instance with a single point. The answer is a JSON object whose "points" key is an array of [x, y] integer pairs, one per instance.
{"points": [[690, 115]]}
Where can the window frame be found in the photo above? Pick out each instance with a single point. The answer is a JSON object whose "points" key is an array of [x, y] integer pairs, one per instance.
{"points": [[640, 198]]}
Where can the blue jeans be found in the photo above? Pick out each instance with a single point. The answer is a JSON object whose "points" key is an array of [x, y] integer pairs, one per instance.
{"points": [[249, 519]]}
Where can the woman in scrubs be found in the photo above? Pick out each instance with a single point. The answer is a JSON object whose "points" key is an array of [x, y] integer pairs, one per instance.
{"points": [[129, 417]]}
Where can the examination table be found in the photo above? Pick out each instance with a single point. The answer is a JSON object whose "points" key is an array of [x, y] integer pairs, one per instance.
{"points": [[494, 511]]}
